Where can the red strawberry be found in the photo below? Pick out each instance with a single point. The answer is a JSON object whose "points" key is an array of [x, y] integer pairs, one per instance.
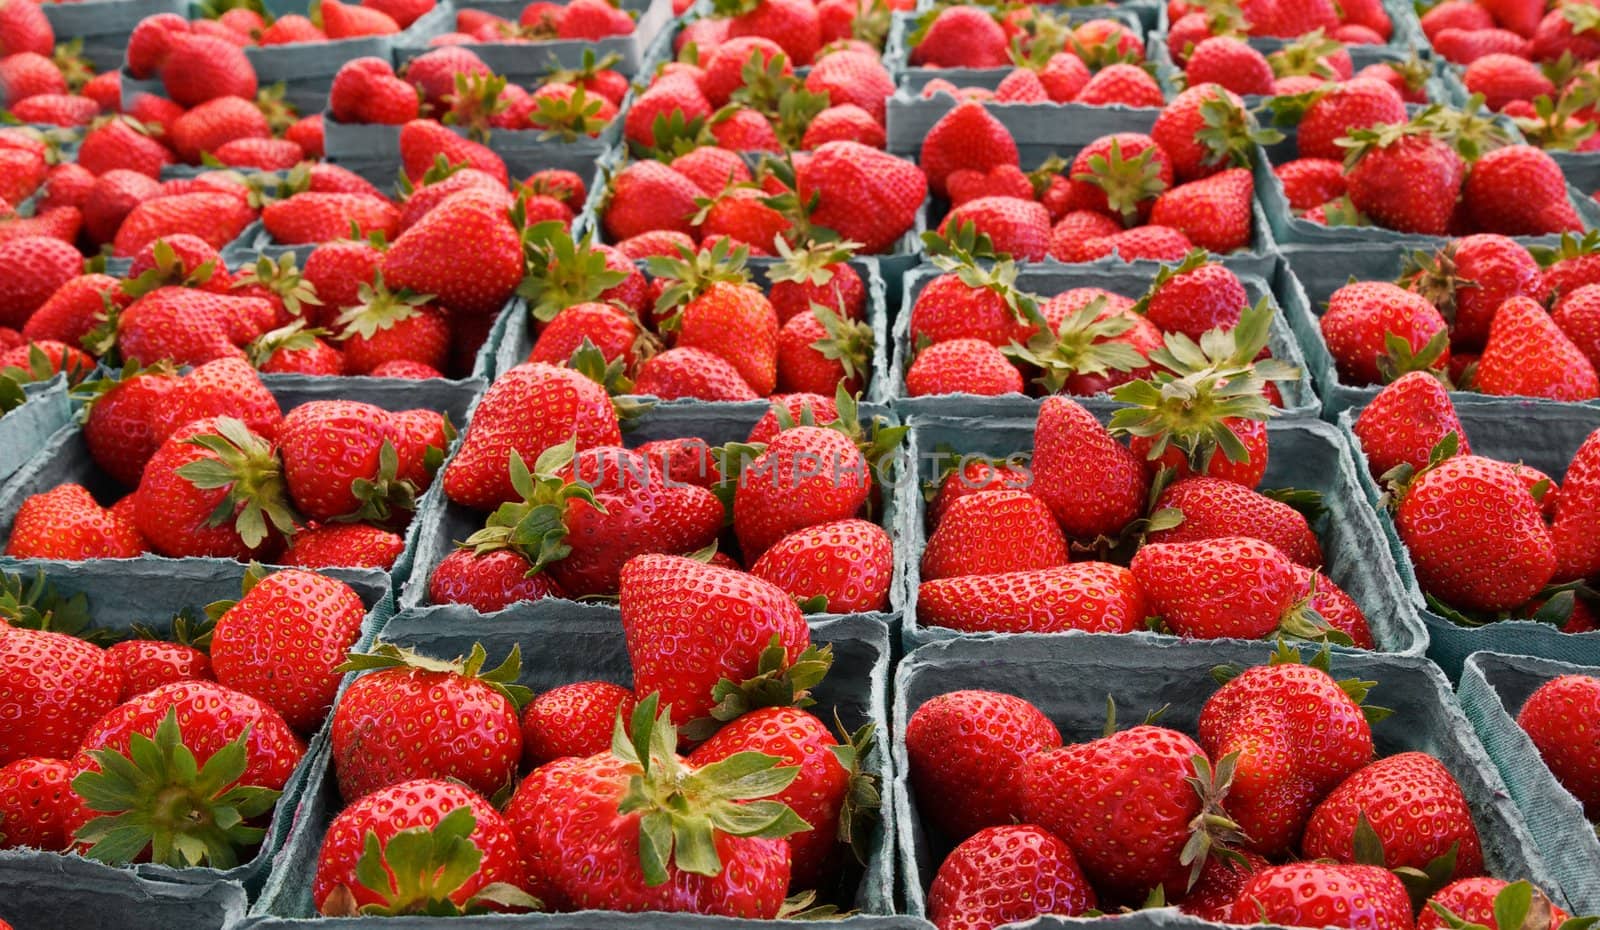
{"points": [[1470, 278], [216, 218], [1215, 508], [1298, 734], [968, 137], [1229, 63], [465, 252], [1007, 874], [1069, 445], [25, 28], [848, 563], [368, 838], [689, 372], [1413, 804], [1355, 897], [1214, 212], [227, 387], [962, 37], [1362, 103], [39, 266], [991, 532], [190, 327], [1577, 509], [1528, 354], [1094, 597], [37, 803], [864, 195], [120, 428], [1362, 320], [199, 68], [968, 751], [1311, 182], [806, 475], [384, 327], [1406, 180], [1558, 719], [1121, 85], [423, 142], [1479, 900], [147, 664], [341, 545], [314, 217], [67, 523], [488, 581], [662, 593], [348, 21], [1218, 587], [962, 366], [1518, 190], [1212, 895], [1406, 421], [572, 720], [53, 687], [853, 77]]}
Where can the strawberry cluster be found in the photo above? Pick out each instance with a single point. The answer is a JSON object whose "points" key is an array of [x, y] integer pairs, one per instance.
{"points": [[540, 21]]}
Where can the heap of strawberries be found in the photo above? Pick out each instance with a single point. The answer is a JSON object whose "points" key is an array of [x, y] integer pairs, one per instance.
{"points": [[1282, 766], [540, 21], [1480, 312], [759, 808], [1303, 65], [109, 741]]}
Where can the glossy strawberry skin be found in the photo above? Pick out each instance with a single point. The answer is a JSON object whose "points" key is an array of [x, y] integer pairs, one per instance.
{"points": [[1070, 448], [573, 720], [1212, 507], [1414, 805], [991, 532], [1356, 897], [67, 523], [1007, 874], [1405, 421], [1472, 900], [968, 750], [37, 803], [148, 664], [1559, 718], [53, 687], [806, 475], [850, 562], [1228, 586]]}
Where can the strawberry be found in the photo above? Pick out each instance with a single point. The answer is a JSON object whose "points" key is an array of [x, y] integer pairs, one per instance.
{"points": [[1557, 718], [465, 252], [968, 751], [215, 123], [23, 29], [1214, 212], [864, 195], [1469, 279], [1298, 734], [845, 563], [961, 37], [575, 813], [607, 328], [335, 464], [1218, 587], [199, 68], [115, 194], [1068, 441], [39, 360], [336, 270], [572, 720], [1576, 313], [967, 137], [527, 410], [54, 687], [39, 266], [1503, 78], [593, 19], [423, 142], [962, 366], [1122, 174], [477, 709], [1214, 508], [1121, 85], [1479, 901], [662, 593], [370, 861], [973, 303], [343, 545], [227, 387], [36, 803], [1194, 297], [366, 90], [216, 218], [1376, 330], [67, 523], [1362, 103], [1127, 804], [1519, 190], [488, 581], [383, 327], [204, 466], [147, 664], [1407, 419], [26, 75], [805, 476], [973, 475], [403, 12], [664, 102], [1007, 874], [1094, 597], [1356, 897], [313, 217], [1230, 63], [1576, 510], [1002, 180], [1528, 354], [1212, 895], [730, 318], [992, 532], [120, 427], [348, 21], [1311, 182], [689, 372], [1404, 179], [1414, 806], [853, 77], [190, 327], [1018, 228]]}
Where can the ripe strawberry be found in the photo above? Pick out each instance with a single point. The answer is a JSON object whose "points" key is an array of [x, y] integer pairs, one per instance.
{"points": [[973, 475], [1194, 297], [384, 327], [119, 143], [1528, 354], [147, 664], [53, 687], [25, 29], [1218, 587], [1355, 897], [1362, 103], [120, 427], [366, 90], [805, 476], [1214, 212], [732, 320], [423, 142], [488, 581], [67, 523], [1503, 79], [853, 77], [971, 305], [1298, 734], [968, 137], [1229, 63], [216, 218], [1406, 421], [968, 750], [474, 709], [1311, 182], [227, 387], [1094, 597], [365, 865], [864, 195], [570, 815], [1519, 190], [313, 217], [572, 720], [334, 462], [1069, 441], [846, 563], [992, 532], [1558, 720], [1126, 804], [1121, 85], [465, 252], [1007, 874], [1214, 508], [37, 803], [39, 266], [199, 68], [1577, 509], [190, 327], [962, 37], [343, 545], [403, 12], [1362, 320], [664, 100], [1479, 900], [1018, 228], [962, 366], [348, 21], [1413, 804], [688, 372], [662, 593], [1470, 278], [204, 466], [26, 75], [1406, 180]]}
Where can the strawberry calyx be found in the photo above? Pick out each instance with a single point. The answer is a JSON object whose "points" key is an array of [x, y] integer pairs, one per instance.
{"points": [[1569, 247], [38, 605], [1084, 343], [863, 799], [502, 678], [1581, 17], [378, 309], [295, 337], [1399, 479], [674, 135], [248, 468], [536, 525], [1127, 182], [568, 118], [589, 361], [1555, 124], [1518, 905], [777, 683], [69, 60], [1471, 130], [158, 798], [273, 103], [588, 69], [560, 271], [87, 394], [477, 99], [682, 809], [1421, 884], [283, 279], [811, 262], [168, 271], [1434, 276], [1399, 358], [418, 870], [40, 368], [1302, 621], [384, 497], [1231, 133], [694, 273], [1306, 55], [966, 252], [848, 342], [188, 629], [1212, 833]]}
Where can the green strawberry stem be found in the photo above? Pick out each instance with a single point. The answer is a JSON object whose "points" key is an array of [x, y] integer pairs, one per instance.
{"points": [[419, 868], [560, 271], [158, 798], [863, 800], [1212, 832], [502, 678], [248, 467], [777, 683], [681, 810], [1083, 344], [535, 525], [37, 605]]}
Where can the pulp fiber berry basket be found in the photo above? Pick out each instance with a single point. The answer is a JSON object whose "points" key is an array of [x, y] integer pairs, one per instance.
{"points": [[441, 524], [1070, 685], [64, 458], [1541, 434], [24, 429], [76, 893], [150, 593], [1051, 278], [1303, 454], [518, 338], [1492, 690], [571, 646]]}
